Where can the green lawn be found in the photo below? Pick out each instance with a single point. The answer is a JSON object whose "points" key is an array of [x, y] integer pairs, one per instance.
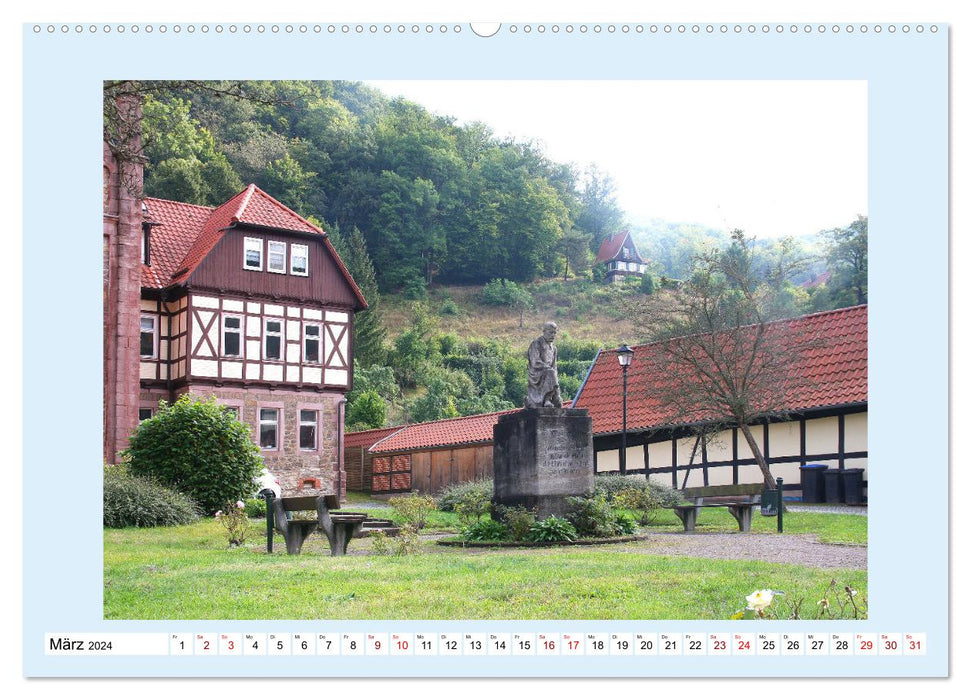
{"points": [[828, 527], [188, 572]]}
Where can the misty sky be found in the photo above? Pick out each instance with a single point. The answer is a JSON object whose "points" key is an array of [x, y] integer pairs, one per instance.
{"points": [[770, 157]]}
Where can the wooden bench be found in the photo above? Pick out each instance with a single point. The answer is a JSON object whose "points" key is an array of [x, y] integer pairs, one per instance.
{"points": [[340, 528], [739, 499]]}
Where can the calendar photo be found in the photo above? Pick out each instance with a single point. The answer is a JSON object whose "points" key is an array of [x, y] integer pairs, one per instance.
{"points": [[493, 365], [339, 291]]}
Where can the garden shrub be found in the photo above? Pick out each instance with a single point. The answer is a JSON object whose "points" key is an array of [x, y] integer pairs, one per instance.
{"points": [[472, 506], [643, 501], [412, 509], [255, 507], [552, 529], [133, 501], [198, 448], [593, 517], [518, 521], [452, 493], [485, 531]]}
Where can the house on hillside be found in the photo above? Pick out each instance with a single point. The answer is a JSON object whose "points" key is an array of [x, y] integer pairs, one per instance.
{"points": [[248, 302], [826, 424], [620, 258]]}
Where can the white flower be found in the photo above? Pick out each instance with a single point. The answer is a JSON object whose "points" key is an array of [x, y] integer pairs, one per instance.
{"points": [[759, 600], [240, 505], [218, 514]]}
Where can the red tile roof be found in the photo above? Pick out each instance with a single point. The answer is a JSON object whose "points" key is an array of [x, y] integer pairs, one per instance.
{"points": [[611, 245], [832, 372], [366, 438], [441, 433], [817, 281], [188, 232]]}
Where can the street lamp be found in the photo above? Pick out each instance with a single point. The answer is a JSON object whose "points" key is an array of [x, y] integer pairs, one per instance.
{"points": [[624, 356]]}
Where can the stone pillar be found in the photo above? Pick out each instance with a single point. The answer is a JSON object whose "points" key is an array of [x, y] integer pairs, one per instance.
{"points": [[541, 456], [122, 293]]}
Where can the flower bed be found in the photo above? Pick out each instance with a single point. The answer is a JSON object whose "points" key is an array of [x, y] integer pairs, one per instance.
{"points": [[563, 543]]}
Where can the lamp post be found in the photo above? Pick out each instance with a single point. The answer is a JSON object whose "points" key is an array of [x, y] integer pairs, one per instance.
{"points": [[624, 356]]}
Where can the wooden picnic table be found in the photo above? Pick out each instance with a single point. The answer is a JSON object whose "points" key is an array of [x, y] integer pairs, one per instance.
{"points": [[339, 527]]}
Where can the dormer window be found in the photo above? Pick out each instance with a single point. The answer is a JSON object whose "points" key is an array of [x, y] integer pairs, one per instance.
{"points": [[253, 253], [276, 258], [299, 258]]}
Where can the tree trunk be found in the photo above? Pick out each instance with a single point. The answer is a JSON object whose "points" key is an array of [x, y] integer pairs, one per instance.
{"points": [[767, 477]]}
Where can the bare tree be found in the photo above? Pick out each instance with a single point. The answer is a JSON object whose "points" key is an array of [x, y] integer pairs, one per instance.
{"points": [[727, 363]]}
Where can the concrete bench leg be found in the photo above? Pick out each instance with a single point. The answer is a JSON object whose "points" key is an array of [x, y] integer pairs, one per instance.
{"points": [[743, 516], [339, 535], [688, 517], [296, 534]]}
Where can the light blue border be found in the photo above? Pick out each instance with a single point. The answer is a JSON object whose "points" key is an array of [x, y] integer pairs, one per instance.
{"points": [[908, 140]]}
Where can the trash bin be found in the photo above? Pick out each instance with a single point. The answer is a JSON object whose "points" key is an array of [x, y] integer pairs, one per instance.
{"points": [[770, 501], [812, 483], [833, 486], [852, 486]]}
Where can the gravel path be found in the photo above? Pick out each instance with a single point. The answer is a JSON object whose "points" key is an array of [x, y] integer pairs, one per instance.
{"points": [[781, 549]]}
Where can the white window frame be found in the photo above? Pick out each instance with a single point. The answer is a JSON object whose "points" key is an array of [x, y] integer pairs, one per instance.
{"points": [[275, 423], [295, 249], [315, 423], [238, 331], [266, 335], [154, 319], [252, 244], [269, 257], [320, 343]]}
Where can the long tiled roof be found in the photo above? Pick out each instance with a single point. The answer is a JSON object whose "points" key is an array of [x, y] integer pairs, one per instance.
{"points": [[441, 433], [830, 371], [366, 438], [185, 233]]}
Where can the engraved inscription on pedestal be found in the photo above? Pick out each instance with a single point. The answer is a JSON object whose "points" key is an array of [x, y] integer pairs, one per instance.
{"points": [[541, 456]]}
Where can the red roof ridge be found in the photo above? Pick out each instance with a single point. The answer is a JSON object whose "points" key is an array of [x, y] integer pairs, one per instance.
{"points": [[253, 189], [250, 188]]}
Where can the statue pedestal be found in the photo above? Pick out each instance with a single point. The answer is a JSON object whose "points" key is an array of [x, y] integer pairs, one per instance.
{"points": [[542, 455]]}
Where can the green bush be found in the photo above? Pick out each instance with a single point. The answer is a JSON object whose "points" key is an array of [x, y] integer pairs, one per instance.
{"points": [[485, 531], [133, 501], [611, 485], [594, 517], [412, 509], [255, 507], [196, 447], [552, 529], [449, 308], [453, 493], [518, 521]]}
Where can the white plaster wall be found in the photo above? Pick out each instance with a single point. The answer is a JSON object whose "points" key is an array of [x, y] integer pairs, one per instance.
{"points": [[232, 370], [205, 302], [855, 438], [205, 368], [822, 435]]}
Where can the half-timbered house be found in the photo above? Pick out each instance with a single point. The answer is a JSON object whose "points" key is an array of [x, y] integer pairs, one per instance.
{"points": [[247, 302], [619, 256]]}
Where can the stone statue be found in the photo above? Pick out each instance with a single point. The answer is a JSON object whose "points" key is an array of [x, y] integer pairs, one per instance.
{"points": [[543, 390]]}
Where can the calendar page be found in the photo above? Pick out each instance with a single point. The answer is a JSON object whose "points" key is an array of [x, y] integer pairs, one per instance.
{"points": [[397, 365]]}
